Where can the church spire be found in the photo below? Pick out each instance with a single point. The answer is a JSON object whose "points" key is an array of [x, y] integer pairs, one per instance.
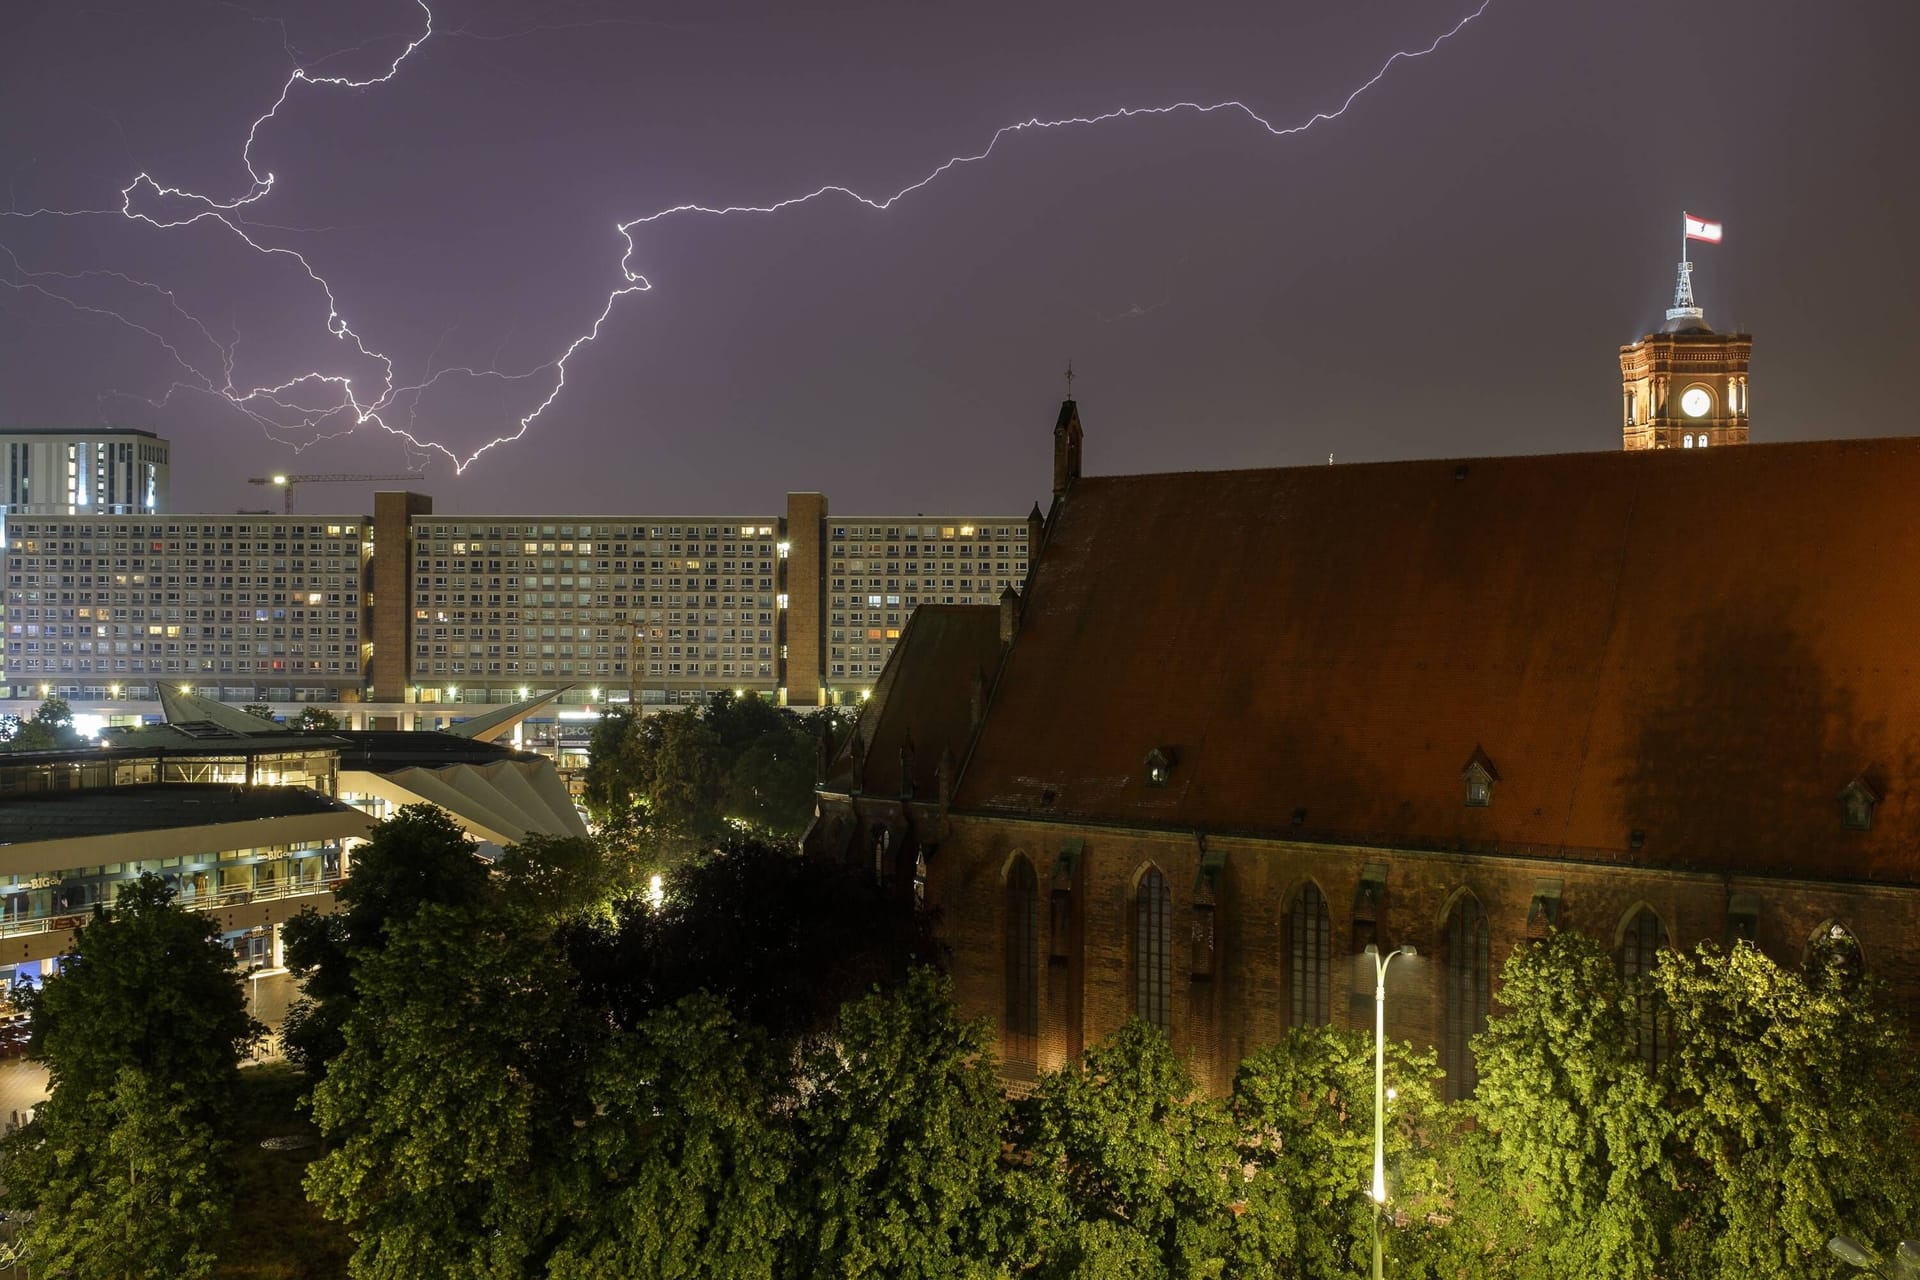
{"points": [[1066, 448]]}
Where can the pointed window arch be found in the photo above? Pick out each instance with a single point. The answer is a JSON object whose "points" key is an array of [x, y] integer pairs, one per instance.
{"points": [[1153, 950], [1469, 979], [1642, 939], [1022, 1022], [1832, 943], [1309, 959]]}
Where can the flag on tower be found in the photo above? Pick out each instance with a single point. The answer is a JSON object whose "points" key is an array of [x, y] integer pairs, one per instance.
{"points": [[1701, 229]]}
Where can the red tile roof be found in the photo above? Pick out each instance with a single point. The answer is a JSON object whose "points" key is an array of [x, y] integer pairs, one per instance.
{"points": [[1703, 646]]}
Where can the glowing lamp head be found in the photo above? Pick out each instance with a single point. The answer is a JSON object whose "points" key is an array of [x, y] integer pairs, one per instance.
{"points": [[280, 480]]}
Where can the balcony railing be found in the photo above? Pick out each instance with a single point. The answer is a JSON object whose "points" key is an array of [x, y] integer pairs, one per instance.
{"points": [[14, 926]]}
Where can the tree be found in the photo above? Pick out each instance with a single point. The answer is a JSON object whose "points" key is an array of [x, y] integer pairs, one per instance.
{"points": [[416, 858], [127, 1182], [262, 710], [142, 1032], [458, 1088], [1578, 1123], [770, 783], [554, 878], [901, 1131], [780, 939], [678, 1172], [1132, 1167], [317, 718], [1304, 1111], [50, 728], [683, 777], [148, 986], [1796, 1104]]}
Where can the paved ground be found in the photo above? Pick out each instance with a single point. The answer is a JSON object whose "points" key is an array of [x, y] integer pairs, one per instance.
{"points": [[23, 1086], [269, 993], [23, 1083]]}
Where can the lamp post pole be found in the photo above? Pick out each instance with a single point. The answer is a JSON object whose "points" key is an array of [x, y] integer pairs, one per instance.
{"points": [[1380, 964]]}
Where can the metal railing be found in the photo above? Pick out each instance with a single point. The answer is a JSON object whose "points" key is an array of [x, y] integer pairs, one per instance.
{"points": [[15, 927]]}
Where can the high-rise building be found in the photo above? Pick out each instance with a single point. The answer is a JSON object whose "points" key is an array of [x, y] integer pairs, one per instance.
{"points": [[241, 607], [66, 471], [62, 471]]}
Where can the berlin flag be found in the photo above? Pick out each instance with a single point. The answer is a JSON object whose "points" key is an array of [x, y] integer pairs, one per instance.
{"points": [[1701, 229]]}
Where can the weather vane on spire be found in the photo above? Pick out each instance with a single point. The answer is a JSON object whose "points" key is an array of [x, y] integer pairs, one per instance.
{"points": [[1684, 307], [1069, 379]]}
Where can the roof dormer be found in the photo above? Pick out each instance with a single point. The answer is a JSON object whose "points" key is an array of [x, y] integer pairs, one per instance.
{"points": [[1479, 775], [1158, 766], [1857, 802]]}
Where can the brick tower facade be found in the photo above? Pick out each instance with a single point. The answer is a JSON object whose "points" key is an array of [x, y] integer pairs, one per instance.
{"points": [[1684, 386]]}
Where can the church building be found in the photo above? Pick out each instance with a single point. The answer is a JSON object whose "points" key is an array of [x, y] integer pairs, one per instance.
{"points": [[1238, 726]]}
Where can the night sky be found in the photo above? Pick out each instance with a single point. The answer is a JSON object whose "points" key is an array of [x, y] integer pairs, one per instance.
{"points": [[1447, 268]]}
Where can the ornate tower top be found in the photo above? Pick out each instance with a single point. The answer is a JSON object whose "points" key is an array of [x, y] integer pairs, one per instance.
{"points": [[1685, 386]]}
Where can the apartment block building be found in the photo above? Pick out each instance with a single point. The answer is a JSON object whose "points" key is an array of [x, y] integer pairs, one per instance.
{"points": [[239, 607], [411, 607]]}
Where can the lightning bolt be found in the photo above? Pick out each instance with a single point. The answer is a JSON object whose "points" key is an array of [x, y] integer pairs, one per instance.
{"points": [[315, 399]]}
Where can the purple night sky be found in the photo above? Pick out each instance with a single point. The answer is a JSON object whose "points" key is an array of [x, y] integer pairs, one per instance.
{"points": [[1447, 268]]}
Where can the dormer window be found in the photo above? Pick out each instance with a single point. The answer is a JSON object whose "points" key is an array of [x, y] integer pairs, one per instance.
{"points": [[1857, 804], [1159, 766], [1480, 775]]}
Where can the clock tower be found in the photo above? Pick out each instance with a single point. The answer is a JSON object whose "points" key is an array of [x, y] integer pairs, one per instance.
{"points": [[1684, 386]]}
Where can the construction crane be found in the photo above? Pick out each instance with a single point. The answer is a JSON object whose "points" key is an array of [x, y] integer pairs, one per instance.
{"points": [[286, 482]]}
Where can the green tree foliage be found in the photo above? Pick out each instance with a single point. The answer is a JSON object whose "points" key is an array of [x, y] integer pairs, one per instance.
{"points": [[50, 728], [780, 939], [127, 1182], [149, 986], [1785, 1112], [122, 1168], [678, 1173], [1577, 1121], [902, 1130], [417, 858], [684, 777], [557, 878], [261, 710], [1796, 1099], [1304, 1112], [460, 1081], [1133, 1169], [317, 718]]}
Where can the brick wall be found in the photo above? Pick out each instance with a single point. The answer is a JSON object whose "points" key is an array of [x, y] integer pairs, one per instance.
{"points": [[1218, 1019]]}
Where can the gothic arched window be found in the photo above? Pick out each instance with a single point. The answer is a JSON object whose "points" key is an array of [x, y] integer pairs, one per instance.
{"points": [[1469, 978], [1641, 942], [1153, 950], [1022, 1024], [1309, 960]]}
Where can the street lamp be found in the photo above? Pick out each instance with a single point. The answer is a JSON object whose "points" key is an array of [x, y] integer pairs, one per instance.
{"points": [[1380, 964]]}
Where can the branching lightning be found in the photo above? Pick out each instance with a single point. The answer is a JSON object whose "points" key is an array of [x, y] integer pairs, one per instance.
{"points": [[322, 405]]}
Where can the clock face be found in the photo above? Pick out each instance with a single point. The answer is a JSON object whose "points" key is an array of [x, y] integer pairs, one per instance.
{"points": [[1696, 402]]}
